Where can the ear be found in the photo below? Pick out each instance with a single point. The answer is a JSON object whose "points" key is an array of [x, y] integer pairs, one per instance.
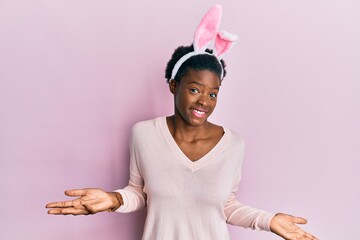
{"points": [[172, 86], [224, 41], [207, 29]]}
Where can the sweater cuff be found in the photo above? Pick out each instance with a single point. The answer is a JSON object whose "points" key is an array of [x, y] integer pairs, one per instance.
{"points": [[125, 207], [265, 220]]}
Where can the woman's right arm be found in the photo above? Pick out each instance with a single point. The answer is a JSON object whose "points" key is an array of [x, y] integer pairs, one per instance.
{"points": [[94, 200], [134, 198]]}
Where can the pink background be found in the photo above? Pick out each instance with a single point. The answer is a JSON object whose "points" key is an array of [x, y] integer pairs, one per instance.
{"points": [[76, 75]]}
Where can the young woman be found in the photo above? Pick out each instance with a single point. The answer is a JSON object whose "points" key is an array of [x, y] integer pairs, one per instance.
{"points": [[183, 168]]}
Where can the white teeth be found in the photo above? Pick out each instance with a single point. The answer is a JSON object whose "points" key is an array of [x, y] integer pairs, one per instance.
{"points": [[199, 112]]}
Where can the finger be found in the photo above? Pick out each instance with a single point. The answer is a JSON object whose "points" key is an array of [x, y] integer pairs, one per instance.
{"points": [[299, 220], [67, 211], [73, 203], [75, 192], [63, 204], [309, 236]]}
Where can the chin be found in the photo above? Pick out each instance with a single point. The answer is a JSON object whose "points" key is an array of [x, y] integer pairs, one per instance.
{"points": [[197, 121], [192, 120]]}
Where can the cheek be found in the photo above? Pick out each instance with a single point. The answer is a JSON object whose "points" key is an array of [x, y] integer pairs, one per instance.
{"points": [[180, 100], [213, 104], [183, 98]]}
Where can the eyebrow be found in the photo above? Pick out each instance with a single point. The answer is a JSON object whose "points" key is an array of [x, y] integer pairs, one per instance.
{"points": [[195, 82]]}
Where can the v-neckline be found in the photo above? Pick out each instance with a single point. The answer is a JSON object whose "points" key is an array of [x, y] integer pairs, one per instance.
{"points": [[193, 165]]}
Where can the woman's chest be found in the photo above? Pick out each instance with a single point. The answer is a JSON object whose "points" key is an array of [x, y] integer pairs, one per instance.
{"points": [[167, 176], [195, 150]]}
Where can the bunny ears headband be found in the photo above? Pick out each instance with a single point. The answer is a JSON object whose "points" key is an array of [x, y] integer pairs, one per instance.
{"points": [[207, 33]]}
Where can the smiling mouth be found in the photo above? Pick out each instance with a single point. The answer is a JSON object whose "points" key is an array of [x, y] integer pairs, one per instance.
{"points": [[198, 113]]}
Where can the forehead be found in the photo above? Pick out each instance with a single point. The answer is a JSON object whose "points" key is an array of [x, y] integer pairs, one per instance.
{"points": [[203, 77]]}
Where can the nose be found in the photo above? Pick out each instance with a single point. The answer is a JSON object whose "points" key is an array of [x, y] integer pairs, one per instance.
{"points": [[202, 101]]}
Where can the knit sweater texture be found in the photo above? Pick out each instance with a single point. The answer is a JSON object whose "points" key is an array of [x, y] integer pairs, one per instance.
{"points": [[186, 200]]}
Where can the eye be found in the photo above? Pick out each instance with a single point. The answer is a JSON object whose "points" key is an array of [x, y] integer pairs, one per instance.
{"points": [[194, 90], [213, 95]]}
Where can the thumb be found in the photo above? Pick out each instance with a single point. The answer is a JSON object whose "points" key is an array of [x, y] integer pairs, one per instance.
{"points": [[76, 192], [299, 220]]}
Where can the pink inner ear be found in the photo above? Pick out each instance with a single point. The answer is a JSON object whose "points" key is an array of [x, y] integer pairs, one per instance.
{"points": [[222, 45], [208, 28]]}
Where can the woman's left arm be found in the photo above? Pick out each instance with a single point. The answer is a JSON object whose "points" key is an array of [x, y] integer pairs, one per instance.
{"points": [[285, 226]]}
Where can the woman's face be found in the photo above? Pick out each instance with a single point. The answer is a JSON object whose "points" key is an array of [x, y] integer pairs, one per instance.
{"points": [[195, 96]]}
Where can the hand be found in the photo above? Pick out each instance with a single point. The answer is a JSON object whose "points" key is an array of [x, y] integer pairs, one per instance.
{"points": [[90, 201], [284, 226]]}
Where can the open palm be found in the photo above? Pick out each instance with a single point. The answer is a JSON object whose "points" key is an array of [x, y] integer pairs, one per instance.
{"points": [[89, 201], [284, 226]]}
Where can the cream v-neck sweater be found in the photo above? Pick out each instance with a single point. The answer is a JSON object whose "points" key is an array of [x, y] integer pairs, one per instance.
{"points": [[186, 200]]}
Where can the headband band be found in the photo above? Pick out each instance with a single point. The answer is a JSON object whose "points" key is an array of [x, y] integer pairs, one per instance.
{"points": [[186, 57], [205, 34]]}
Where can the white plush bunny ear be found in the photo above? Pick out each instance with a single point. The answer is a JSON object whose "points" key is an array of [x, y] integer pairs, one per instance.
{"points": [[223, 43], [207, 29]]}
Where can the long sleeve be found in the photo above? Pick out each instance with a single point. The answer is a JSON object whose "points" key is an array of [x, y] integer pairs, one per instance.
{"points": [[241, 215], [133, 195]]}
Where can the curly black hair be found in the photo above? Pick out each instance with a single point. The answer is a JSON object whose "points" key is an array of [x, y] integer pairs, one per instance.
{"points": [[197, 62]]}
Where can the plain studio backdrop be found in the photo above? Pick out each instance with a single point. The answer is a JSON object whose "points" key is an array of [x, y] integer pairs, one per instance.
{"points": [[76, 75]]}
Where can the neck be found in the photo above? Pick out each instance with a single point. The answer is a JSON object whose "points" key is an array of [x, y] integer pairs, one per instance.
{"points": [[182, 130]]}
